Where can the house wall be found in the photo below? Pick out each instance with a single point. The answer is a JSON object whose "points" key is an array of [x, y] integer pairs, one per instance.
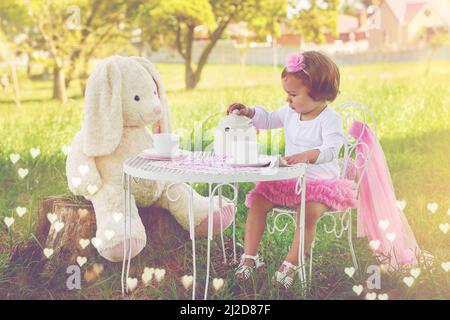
{"points": [[434, 20], [392, 33]]}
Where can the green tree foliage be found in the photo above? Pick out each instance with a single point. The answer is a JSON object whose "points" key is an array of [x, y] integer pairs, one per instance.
{"points": [[315, 18], [71, 31], [176, 23], [353, 7], [272, 13]]}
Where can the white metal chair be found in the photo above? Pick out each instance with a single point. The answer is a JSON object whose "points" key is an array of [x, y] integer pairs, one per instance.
{"points": [[341, 221]]}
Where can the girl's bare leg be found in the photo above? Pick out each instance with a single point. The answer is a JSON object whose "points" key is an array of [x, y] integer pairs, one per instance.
{"points": [[313, 211], [255, 225]]}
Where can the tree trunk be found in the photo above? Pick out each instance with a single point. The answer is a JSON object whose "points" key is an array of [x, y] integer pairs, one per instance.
{"points": [[275, 54], [15, 83], [59, 84], [428, 65], [45, 74], [84, 77], [192, 78], [163, 233], [29, 62]]}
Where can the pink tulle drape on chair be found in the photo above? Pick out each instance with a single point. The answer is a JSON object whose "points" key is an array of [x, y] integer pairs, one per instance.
{"points": [[379, 218]]}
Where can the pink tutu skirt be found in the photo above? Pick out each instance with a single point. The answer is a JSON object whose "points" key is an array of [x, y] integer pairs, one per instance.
{"points": [[337, 194]]}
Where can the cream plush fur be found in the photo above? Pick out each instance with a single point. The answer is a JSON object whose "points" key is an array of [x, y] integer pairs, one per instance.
{"points": [[114, 129]]}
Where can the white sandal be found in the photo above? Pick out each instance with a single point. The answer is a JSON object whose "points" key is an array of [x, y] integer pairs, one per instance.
{"points": [[283, 277], [246, 271]]}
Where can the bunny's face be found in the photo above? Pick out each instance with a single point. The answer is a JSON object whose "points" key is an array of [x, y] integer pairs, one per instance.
{"points": [[121, 92], [140, 97]]}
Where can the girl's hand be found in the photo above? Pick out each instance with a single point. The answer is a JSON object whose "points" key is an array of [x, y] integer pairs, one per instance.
{"points": [[243, 110], [297, 158]]}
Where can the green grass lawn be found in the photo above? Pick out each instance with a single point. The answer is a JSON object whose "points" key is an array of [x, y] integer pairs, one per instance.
{"points": [[413, 120]]}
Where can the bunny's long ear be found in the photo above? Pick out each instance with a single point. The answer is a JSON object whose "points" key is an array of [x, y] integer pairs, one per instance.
{"points": [[165, 123], [103, 119]]}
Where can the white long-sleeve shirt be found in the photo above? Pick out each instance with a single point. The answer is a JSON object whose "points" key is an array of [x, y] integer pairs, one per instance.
{"points": [[323, 133]]}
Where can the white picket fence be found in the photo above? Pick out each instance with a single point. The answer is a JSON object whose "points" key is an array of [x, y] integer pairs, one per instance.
{"points": [[226, 52]]}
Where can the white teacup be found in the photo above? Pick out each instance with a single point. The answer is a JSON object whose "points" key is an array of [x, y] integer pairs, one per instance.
{"points": [[166, 144]]}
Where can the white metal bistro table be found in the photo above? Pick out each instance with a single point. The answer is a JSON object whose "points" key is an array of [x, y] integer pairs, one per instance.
{"points": [[177, 172]]}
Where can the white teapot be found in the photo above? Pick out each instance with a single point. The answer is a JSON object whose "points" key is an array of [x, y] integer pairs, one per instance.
{"points": [[235, 137]]}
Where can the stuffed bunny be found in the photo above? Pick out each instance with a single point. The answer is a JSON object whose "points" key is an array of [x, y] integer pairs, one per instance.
{"points": [[123, 96]]}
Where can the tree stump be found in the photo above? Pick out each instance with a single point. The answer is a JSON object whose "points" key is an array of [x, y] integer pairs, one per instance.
{"points": [[74, 219]]}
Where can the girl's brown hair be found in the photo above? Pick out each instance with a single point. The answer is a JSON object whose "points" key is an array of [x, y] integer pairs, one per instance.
{"points": [[320, 75]]}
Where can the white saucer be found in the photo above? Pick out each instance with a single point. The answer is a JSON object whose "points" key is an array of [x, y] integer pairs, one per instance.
{"points": [[262, 161], [152, 154]]}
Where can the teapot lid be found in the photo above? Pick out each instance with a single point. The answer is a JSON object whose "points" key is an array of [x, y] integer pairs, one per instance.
{"points": [[234, 121]]}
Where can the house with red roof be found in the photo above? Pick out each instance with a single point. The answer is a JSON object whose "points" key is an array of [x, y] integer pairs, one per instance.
{"points": [[349, 28], [402, 24]]}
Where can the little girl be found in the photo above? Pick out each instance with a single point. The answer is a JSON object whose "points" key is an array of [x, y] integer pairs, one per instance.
{"points": [[313, 135]]}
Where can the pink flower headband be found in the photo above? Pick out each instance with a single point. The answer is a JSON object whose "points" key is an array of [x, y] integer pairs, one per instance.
{"points": [[295, 62]]}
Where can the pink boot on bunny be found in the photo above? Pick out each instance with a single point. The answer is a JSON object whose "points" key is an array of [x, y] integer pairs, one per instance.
{"points": [[227, 218]]}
